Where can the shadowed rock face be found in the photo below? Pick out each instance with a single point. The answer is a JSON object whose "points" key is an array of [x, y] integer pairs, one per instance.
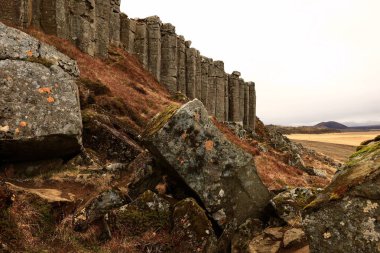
{"points": [[221, 174], [39, 106], [345, 216]]}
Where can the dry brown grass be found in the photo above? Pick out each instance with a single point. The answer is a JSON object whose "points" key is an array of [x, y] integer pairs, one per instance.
{"points": [[122, 74]]}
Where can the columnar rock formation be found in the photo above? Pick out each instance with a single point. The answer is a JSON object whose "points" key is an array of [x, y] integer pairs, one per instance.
{"points": [[94, 25]]}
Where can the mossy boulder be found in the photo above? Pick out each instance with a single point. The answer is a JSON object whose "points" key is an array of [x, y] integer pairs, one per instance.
{"points": [[192, 229], [220, 174], [345, 216]]}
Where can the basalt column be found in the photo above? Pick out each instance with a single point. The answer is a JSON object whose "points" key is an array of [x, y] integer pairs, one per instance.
{"points": [[226, 96], [241, 100], [103, 13], [154, 46], [82, 25], [169, 63], [127, 33], [252, 106], [220, 90], [191, 70], [234, 97], [205, 66], [198, 76], [211, 93], [114, 23], [246, 106], [141, 43], [181, 57], [16, 12], [52, 17]]}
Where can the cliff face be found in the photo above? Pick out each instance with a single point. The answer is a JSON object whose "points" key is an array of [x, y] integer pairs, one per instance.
{"points": [[94, 25]]}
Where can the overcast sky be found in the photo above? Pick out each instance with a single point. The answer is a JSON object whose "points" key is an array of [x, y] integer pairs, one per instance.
{"points": [[311, 60]]}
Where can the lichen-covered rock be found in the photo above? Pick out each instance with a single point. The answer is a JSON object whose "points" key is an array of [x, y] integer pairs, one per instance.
{"points": [[221, 174], [97, 207], [345, 216], [192, 228], [39, 106], [290, 203]]}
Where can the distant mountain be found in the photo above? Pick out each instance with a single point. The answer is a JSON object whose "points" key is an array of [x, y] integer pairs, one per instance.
{"points": [[331, 125]]}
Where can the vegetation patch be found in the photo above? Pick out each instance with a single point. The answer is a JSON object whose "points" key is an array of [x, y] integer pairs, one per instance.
{"points": [[160, 120]]}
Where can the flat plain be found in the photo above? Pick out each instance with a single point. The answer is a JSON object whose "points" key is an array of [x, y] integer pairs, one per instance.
{"points": [[335, 145]]}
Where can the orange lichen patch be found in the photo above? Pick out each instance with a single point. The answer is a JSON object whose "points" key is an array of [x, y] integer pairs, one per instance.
{"points": [[44, 90], [23, 124], [209, 145], [50, 100], [29, 53]]}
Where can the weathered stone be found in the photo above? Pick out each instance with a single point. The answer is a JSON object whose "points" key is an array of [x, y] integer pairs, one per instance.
{"points": [[16, 12], [293, 236], [220, 91], [205, 65], [252, 106], [198, 76], [234, 97], [97, 207], [154, 46], [345, 215], [181, 54], [127, 33], [275, 233], [102, 26], [246, 106], [192, 228], [226, 98], [82, 25], [191, 72], [211, 92], [244, 234], [141, 43], [53, 17], [40, 114], [261, 244], [220, 173], [114, 23], [169, 61], [241, 100], [290, 203]]}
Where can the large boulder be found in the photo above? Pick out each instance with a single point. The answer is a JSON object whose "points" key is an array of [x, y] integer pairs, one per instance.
{"points": [[39, 106], [345, 216], [220, 174]]}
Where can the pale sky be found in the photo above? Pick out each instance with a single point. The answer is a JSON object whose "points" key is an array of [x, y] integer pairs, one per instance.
{"points": [[311, 60]]}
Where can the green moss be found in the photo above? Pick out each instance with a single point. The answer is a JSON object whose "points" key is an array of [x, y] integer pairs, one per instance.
{"points": [[137, 221], [42, 61], [197, 218], [160, 120], [365, 150]]}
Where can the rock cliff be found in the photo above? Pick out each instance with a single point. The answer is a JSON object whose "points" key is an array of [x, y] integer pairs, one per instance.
{"points": [[95, 25]]}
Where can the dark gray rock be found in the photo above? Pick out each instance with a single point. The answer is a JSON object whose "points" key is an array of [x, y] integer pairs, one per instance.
{"points": [[221, 174]]}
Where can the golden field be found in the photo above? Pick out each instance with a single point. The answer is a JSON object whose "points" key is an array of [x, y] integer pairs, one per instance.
{"points": [[346, 138], [335, 145]]}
